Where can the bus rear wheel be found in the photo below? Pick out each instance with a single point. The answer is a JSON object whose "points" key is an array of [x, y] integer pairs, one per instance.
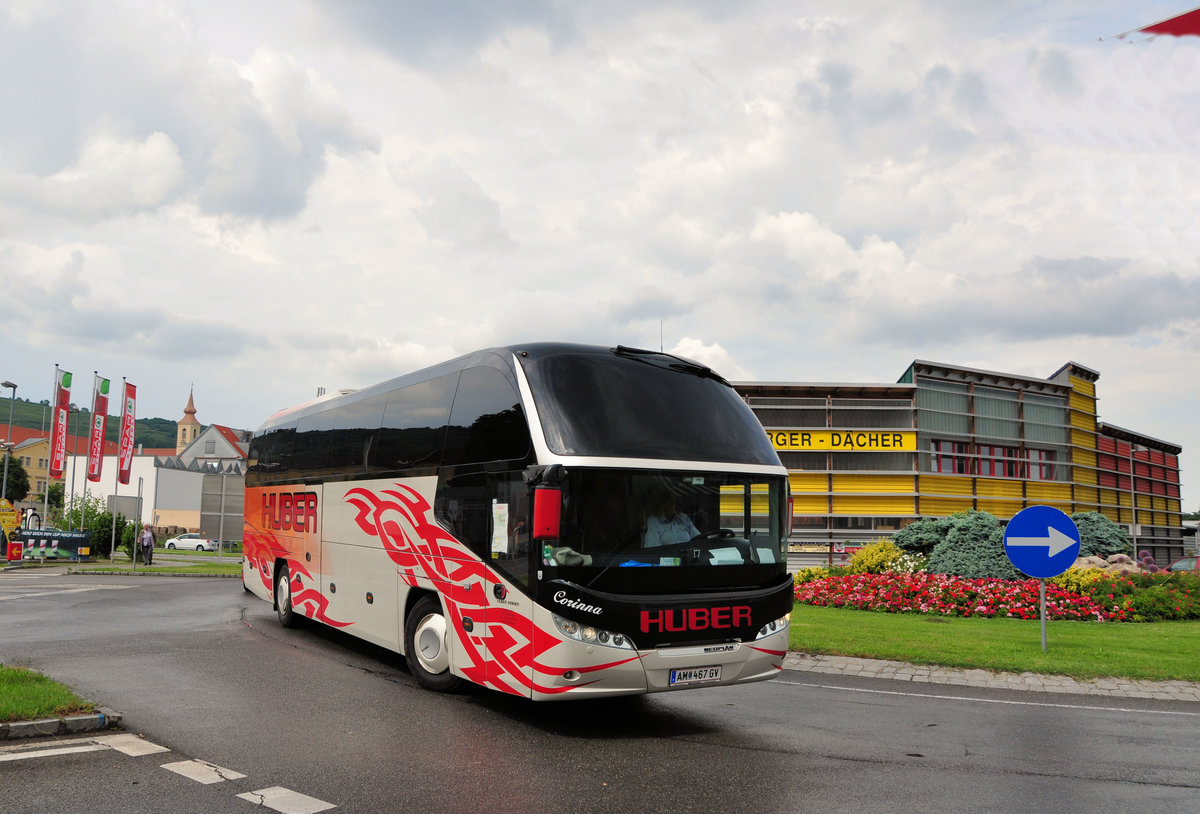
{"points": [[283, 598], [425, 646]]}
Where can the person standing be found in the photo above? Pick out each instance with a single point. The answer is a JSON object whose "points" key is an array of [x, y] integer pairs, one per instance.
{"points": [[147, 544]]}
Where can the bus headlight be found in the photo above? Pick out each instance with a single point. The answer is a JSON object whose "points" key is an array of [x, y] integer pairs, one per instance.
{"points": [[774, 627], [591, 635]]}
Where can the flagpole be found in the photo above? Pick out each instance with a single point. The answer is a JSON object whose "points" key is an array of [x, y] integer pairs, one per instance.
{"points": [[74, 457], [50, 450], [116, 501], [87, 475]]}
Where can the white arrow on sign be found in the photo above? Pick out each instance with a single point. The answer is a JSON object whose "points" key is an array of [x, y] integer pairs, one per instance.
{"points": [[1055, 541]]}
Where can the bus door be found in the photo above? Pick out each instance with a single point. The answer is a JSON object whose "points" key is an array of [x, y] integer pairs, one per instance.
{"points": [[488, 513], [509, 613]]}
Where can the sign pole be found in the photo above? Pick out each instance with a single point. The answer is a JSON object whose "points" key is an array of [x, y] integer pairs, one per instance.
{"points": [[1042, 601], [137, 537]]}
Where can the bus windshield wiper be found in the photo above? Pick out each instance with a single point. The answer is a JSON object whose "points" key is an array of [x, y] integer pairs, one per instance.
{"points": [[677, 363]]}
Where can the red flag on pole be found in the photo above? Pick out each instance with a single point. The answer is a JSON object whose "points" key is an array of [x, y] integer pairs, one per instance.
{"points": [[125, 451], [1181, 25], [99, 425], [58, 428]]}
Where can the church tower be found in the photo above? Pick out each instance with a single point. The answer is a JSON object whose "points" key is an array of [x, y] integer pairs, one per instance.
{"points": [[188, 428]]}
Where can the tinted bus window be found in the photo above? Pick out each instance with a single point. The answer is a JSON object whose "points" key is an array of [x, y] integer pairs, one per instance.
{"points": [[270, 458], [414, 424], [488, 423], [608, 405], [338, 442]]}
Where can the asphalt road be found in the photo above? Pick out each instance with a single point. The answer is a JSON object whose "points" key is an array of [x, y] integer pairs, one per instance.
{"points": [[203, 669]]}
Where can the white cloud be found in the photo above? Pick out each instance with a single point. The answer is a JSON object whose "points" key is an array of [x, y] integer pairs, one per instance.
{"points": [[112, 177], [266, 199]]}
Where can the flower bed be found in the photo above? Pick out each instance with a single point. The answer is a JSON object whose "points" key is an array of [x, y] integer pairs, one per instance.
{"points": [[1105, 599]]}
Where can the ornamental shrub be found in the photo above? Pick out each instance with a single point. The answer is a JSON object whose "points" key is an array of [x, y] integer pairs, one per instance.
{"points": [[809, 574], [1079, 580], [1163, 601], [921, 536], [876, 557], [973, 548], [1099, 536]]}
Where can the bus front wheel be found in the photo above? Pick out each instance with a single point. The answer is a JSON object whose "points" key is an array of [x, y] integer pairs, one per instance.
{"points": [[283, 598], [425, 646]]}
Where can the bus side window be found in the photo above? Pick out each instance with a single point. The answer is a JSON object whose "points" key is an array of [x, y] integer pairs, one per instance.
{"points": [[487, 422], [270, 458], [414, 426], [463, 508]]}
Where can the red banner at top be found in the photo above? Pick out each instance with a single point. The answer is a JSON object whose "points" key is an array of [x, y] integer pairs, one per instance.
{"points": [[1181, 25], [58, 426], [125, 451], [99, 425]]}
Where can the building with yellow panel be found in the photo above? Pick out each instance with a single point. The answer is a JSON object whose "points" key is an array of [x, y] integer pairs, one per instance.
{"points": [[867, 459]]}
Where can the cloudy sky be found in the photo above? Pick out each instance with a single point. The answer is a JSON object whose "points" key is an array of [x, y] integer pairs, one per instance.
{"points": [[264, 198]]}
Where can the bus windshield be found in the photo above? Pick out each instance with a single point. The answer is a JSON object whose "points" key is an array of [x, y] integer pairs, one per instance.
{"points": [[644, 405], [625, 531]]}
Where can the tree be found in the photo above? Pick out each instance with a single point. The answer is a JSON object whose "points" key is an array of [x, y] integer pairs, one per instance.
{"points": [[922, 536], [17, 486], [97, 520], [1099, 536], [973, 548], [56, 495]]}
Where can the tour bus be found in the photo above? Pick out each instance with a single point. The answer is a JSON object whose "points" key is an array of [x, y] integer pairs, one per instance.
{"points": [[550, 520]]}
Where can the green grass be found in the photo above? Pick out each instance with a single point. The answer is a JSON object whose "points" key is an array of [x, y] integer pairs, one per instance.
{"points": [[228, 567], [26, 696], [1158, 651], [191, 552]]}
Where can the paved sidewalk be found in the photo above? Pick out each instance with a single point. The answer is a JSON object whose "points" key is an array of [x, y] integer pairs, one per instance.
{"points": [[927, 674]]}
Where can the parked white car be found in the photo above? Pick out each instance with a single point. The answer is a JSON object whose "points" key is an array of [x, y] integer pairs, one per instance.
{"points": [[192, 542]]}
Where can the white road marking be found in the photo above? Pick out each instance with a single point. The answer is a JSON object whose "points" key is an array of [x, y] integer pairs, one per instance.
{"points": [[277, 798], [286, 801], [202, 772], [994, 700], [131, 745], [63, 589], [6, 756]]}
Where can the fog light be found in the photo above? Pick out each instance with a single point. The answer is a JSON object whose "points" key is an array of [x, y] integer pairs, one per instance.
{"points": [[571, 675]]}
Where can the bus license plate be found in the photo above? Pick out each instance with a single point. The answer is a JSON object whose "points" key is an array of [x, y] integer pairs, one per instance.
{"points": [[695, 675]]}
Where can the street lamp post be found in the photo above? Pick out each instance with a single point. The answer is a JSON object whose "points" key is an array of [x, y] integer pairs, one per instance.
{"points": [[8, 443]]}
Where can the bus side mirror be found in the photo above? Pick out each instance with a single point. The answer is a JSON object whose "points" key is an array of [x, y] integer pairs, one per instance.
{"points": [[547, 513]]}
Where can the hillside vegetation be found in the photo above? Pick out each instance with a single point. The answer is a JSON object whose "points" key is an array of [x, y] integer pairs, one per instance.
{"points": [[151, 433]]}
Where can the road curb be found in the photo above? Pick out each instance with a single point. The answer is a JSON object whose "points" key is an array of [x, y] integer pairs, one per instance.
{"points": [[1035, 682], [102, 718]]}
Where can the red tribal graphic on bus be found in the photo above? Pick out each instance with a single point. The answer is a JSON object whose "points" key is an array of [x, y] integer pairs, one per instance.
{"points": [[425, 552]]}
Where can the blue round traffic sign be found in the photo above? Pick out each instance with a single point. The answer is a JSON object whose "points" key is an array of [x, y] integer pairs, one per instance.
{"points": [[1041, 541]]}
